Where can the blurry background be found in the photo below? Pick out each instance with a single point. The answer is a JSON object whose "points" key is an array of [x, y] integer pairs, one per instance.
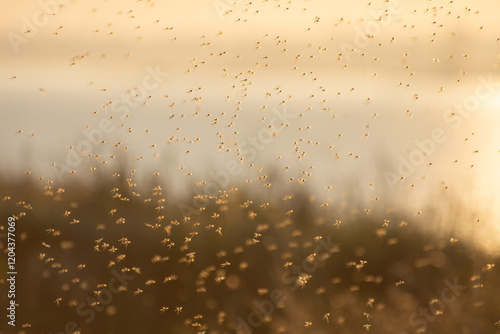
{"points": [[324, 99]]}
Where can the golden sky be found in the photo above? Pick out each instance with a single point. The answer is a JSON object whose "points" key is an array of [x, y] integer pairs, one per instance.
{"points": [[238, 61]]}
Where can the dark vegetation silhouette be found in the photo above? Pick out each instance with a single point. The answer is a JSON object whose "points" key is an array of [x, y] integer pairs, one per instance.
{"points": [[375, 273]]}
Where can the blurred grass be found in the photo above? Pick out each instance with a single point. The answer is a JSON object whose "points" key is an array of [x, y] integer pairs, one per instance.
{"points": [[406, 264]]}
